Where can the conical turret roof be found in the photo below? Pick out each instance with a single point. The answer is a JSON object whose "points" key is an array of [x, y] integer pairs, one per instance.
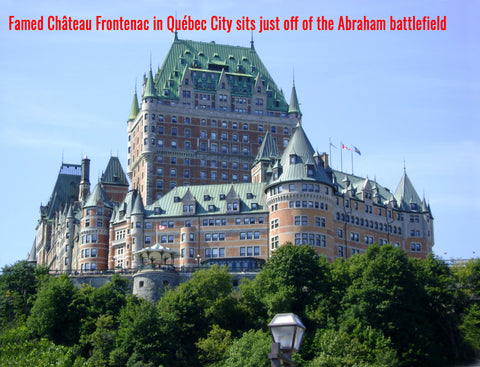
{"points": [[135, 109], [138, 208], [294, 106], [98, 195], [268, 150], [149, 86], [297, 161], [407, 197]]}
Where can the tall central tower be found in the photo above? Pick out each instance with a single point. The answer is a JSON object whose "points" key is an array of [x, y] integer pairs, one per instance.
{"points": [[202, 118]]}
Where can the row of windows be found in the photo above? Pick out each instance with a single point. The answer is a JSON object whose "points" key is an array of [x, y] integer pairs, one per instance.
{"points": [[235, 177], [314, 239], [203, 163], [214, 237], [89, 222], [308, 204], [303, 220], [250, 251], [89, 238], [249, 235], [223, 124], [369, 209], [88, 267], [209, 252], [99, 211], [89, 253], [366, 223]]}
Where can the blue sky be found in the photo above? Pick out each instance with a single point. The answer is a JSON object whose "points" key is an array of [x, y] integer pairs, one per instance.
{"points": [[399, 96]]}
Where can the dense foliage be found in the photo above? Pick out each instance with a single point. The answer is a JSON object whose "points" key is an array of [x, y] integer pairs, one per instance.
{"points": [[376, 309]]}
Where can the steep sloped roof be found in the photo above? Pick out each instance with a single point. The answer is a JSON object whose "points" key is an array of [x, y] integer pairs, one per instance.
{"points": [[114, 174], [135, 109], [98, 195], [268, 150], [138, 208], [407, 197], [65, 190], [209, 60], [248, 194], [294, 106], [296, 157]]}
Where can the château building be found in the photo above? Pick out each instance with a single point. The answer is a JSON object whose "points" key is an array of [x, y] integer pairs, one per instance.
{"points": [[221, 172]]}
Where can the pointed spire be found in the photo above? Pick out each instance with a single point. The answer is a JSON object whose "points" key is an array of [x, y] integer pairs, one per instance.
{"points": [[251, 41], [138, 208], [294, 106], [268, 150], [135, 109], [70, 212], [150, 86], [406, 195]]}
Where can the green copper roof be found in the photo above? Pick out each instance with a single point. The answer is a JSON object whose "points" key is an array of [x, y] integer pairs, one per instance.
{"points": [[357, 185], [138, 208], [268, 150], [150, 90], [294, 106], [407, 197], [206, 62], [248, 194], [114, 174], [297, 159], [135, 109], [65, 190], [97, 196]]}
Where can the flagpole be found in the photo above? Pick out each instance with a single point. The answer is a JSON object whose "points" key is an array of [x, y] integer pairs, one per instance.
{"points": [[352, 160], [330, 152], [341, 157]]}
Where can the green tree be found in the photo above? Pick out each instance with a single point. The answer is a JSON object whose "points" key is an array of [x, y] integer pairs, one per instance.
{"points": [[213, 348], [18, 286], [365, 347], [250, 350], [53, 316], [189, 311], [17, 349], [139, 339], [470, 328]]}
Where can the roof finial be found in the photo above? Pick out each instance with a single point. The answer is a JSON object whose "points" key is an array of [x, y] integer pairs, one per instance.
{"points": [[251, 40], [150, 60], [293, 72], [404, 167], [175, 37]]}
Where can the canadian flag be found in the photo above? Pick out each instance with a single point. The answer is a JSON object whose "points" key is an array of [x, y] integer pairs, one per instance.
{"points": [[345, 147], [161, 228]]}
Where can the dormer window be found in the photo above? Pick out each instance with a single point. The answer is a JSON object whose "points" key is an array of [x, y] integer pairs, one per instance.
{"points": [[211, 208], [222, 196], [310, 171], [176, 199], [293, 158], [249, 195], [206, 197], [156, 210], [186, 81]]}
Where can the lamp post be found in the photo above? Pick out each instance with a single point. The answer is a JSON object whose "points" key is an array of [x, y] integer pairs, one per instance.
{"points": [[287, 333], [198, 260]]}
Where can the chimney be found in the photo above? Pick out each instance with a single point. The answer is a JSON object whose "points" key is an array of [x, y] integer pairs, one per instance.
{"points": [[84, 188]]}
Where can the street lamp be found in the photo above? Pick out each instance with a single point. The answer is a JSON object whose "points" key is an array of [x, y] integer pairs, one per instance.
{"points": [[198, 260], [287, 332]]}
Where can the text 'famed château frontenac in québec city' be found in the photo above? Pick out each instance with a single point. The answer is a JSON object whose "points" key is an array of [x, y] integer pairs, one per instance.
{"points": [[221, 172]]}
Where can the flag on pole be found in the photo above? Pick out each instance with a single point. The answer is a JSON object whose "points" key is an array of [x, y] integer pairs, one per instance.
{"points": [[161, 228], [356, 150], [345, 147], [331, 144]]}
